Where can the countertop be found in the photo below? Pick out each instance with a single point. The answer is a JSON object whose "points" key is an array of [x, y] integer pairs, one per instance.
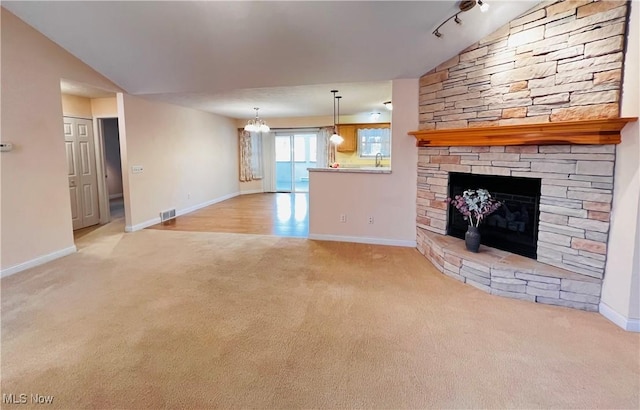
{"points": [[361, 170]]}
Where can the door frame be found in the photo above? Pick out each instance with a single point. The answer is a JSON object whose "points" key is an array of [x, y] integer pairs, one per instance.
{"points": [[103, 191]]}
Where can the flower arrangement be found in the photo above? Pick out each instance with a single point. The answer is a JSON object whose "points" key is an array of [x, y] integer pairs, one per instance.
{"points": [[475, 204]]}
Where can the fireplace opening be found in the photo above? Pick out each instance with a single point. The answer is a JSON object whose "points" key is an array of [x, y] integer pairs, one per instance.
{"points": [[514, 226]]}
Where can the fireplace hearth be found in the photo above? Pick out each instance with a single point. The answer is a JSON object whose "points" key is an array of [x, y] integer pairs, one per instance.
{"points": [[514, 226]]}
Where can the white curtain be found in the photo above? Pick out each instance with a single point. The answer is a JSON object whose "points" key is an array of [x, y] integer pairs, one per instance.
{"points": [[323, 147], [269, 161]]}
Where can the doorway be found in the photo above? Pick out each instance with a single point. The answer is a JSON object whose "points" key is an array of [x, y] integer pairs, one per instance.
{"points": [[81, 172], [295, 153], [112, 166]]}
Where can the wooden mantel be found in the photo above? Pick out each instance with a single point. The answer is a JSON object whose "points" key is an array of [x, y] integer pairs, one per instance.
{"points": [[587, 132]]}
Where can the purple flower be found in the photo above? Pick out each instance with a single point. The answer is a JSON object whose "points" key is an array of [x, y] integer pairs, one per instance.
{"points": [[474, 203]]}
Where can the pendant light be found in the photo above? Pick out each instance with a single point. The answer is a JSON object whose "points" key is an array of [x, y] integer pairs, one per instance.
{"points": [[336, 139], [257, 124]]}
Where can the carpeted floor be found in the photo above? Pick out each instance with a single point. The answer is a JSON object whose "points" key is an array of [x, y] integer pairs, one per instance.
{"points": [[198, 320]]}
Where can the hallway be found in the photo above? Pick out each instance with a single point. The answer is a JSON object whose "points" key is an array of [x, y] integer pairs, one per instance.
{"points": [[278, 214]]}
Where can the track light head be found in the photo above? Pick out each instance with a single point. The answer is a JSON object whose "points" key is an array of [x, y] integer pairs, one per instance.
{"points": [[437, 34], [457, 20]]}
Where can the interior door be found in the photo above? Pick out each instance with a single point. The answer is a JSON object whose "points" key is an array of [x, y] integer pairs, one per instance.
{"points": [[81, 170]]}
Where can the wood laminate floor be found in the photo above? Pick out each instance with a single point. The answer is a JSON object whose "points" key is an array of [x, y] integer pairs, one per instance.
{"points": [[280, 214]]}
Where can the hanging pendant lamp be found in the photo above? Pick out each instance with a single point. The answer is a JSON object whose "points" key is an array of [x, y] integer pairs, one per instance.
{"points": [[336, 139]]}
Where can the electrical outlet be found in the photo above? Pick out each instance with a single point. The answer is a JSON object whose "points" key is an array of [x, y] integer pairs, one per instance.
{"points": [[371, 220], [343, 218], [137, 169]]}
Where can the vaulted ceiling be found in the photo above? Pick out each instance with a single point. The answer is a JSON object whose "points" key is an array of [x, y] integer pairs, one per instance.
{"points": [[229, 56]]}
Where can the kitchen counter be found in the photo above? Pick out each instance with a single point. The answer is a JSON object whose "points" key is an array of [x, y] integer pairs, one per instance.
{"points": [[361, 170]]}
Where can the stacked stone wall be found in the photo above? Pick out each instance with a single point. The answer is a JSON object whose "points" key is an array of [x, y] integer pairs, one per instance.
{"points": [[561, 61]]}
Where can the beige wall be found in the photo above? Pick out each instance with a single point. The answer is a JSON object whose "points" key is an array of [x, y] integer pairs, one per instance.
{"points": [[389, 198], [36, 212], [189, 157], [251, 187], [621, 288], [83, 107], [74, 106], [104, 107]]}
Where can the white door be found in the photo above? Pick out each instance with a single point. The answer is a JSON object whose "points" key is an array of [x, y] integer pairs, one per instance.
{"points": [[81, 168]]}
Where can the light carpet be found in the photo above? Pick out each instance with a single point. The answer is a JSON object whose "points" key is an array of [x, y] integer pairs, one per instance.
{"points": [[158, 319]]}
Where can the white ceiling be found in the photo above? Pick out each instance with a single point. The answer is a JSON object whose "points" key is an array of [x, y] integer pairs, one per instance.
{"points": [[284, 57]]}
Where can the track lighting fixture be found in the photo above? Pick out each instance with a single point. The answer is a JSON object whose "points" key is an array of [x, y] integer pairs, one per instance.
{"points": [[464, 5]]}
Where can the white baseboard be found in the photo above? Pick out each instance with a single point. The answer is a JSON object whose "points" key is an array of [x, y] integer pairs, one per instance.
{"points": [[142, 225], [204, 204], [180, 212], [631, 325], [252, 191], [360, 239], [115, 196], [38, 261]]}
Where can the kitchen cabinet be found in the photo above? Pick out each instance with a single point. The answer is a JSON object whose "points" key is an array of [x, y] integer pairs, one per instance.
{"points": [[348, 132]]}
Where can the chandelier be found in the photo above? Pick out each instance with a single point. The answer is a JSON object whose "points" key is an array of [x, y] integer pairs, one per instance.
{"points": [[257, 124], [336, 138]]}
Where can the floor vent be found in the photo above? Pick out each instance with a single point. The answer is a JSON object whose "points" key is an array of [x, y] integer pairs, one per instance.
{"points": [[167, 215]]}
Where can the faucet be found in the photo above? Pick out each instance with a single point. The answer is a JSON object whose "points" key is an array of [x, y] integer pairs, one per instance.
{"points": [[378, 159]]}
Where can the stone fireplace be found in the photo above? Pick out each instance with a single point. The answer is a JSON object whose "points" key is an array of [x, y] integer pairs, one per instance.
{"points": [[562, 194], [575, 195]]}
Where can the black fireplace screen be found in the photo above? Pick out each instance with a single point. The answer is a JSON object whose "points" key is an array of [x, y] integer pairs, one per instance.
{"points": [[514, 226]]}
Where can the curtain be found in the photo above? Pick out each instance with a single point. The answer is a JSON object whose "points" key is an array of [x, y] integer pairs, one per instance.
{"points": [[323, 147], [269, 161], [256, 155], [246, 172]]}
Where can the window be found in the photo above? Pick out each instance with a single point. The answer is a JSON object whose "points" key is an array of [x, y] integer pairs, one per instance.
{"points": [[372, 141], [283, 149]]}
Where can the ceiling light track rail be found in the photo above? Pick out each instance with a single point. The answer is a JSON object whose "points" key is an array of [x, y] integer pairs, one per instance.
{"points": [[464, 5]]}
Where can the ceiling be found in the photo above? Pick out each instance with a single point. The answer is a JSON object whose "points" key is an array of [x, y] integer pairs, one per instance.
{"points": [[227, 57]]}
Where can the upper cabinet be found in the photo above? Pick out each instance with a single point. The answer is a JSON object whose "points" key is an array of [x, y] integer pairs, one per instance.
{"points": [[350, 143], [350, 134]]}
